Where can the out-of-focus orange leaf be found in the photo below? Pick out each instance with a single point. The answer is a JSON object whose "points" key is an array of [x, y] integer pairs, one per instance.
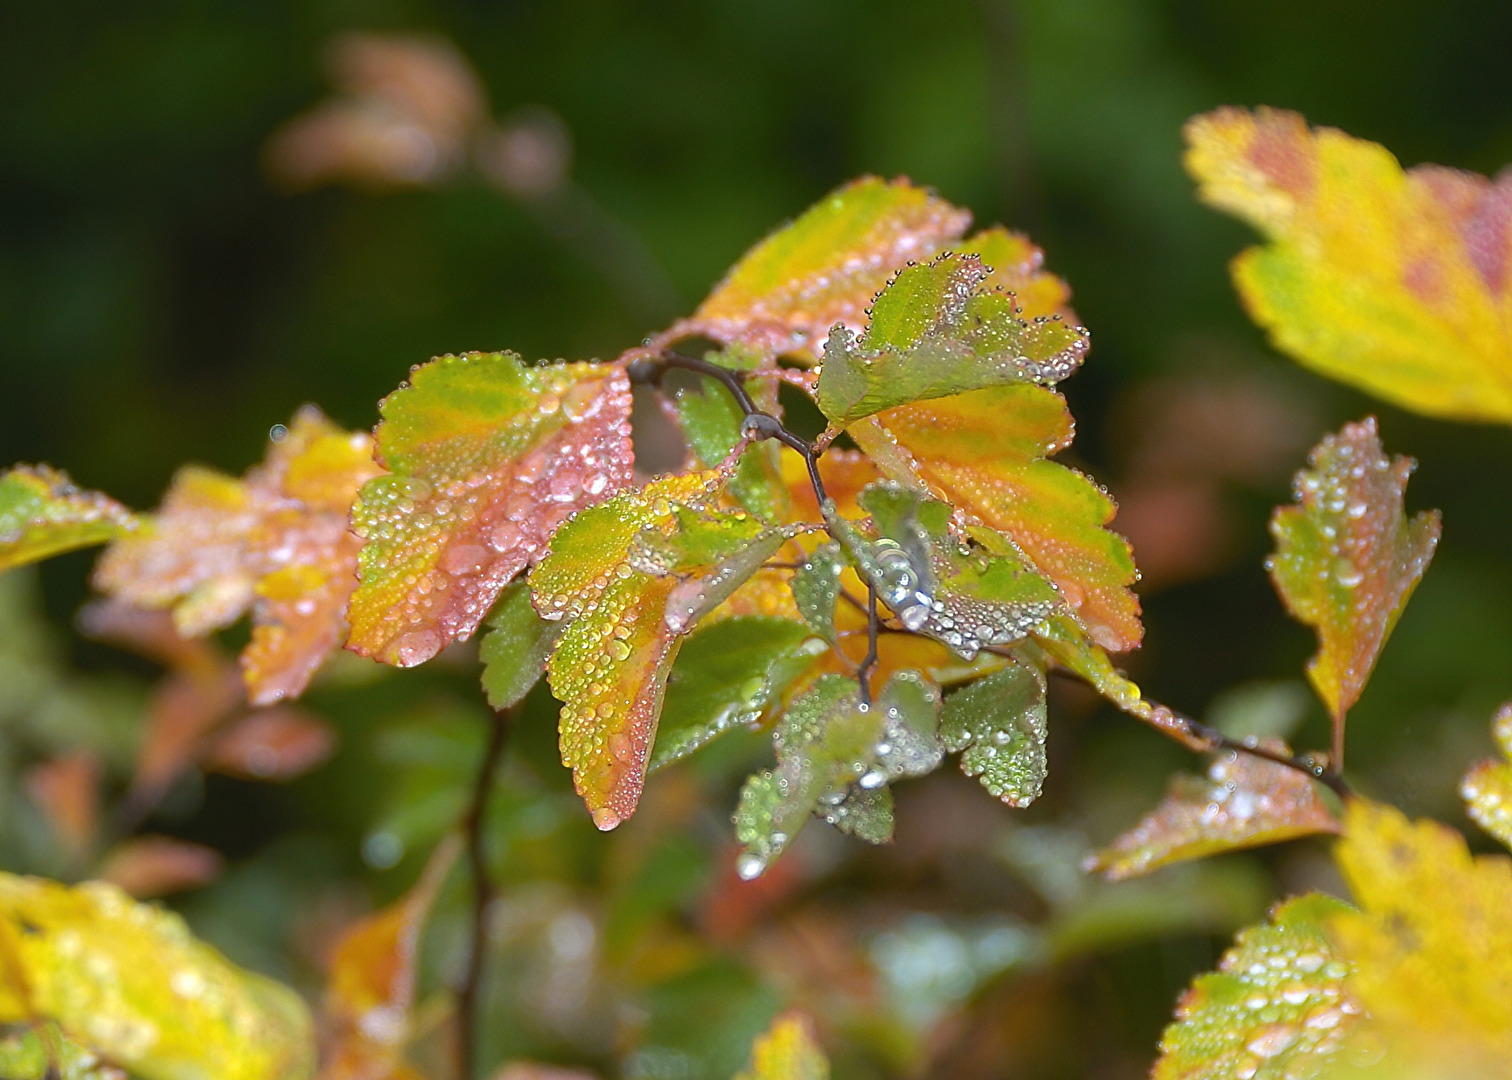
{"points": [[1487, 788], [1245, 801], [985, 453], [489, 456], [67, 789], [149, 633], [43, 514], [531, 1070], [185, 707], [277, 542], [1400, 283], [787, 1051], [1347, 558], [149, 866], [273, 744], [371, 991]]}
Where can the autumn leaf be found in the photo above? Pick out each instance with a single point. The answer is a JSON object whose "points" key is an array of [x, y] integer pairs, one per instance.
{"points": [[276, 541], [280, 744], [1396, 282], [787, 1051], [1279, 1005], [67, 790], [487, 457], [984, 453], [148, 866], [1246, 801], [937, 330], [43, 514], [129, 982], [42, 1052], [1347, 558], [1487, 788], [999, 722], [1017, 265]]}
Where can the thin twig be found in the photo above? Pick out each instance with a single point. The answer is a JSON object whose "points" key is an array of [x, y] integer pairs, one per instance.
{"points": [[869, 661], [473, 822]]}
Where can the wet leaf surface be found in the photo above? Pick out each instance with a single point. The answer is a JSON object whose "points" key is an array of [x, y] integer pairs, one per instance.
{"points": [[43, 514], [999, 722]]}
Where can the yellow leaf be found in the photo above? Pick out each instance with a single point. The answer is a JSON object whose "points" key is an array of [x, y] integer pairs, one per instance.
{"points": [[1396, 282], [787, 1051], [1487, 788]]}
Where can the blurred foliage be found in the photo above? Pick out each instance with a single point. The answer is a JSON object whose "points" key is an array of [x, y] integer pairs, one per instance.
{"points": [[164, 301]]}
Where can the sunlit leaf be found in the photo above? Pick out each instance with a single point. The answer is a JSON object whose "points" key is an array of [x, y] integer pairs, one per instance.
{"points": [[727, 674], [787, 1051], [277, 542], [43, 514], [515, 648], [984, 452], [1245, 801], [1279, 1007], [999, 721], [959, 593], [487, 457], [816, 588], [831, 748], [1347, 558], [825, 267], [936, 330], [1487, 788], [129, 982], [1395, 282], [374, 974]]}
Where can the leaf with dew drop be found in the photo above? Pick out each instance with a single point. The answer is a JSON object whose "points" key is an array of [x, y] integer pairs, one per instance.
{"points": [[487, 457], [43, 514], [999, 722], [816, 588], [1487, 788]]}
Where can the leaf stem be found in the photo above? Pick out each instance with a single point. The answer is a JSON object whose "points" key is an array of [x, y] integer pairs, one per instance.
{"points": [[869, 661]]}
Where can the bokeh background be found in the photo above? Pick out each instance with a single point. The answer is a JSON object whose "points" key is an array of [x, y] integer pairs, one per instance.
{"points": [[167, 295]]}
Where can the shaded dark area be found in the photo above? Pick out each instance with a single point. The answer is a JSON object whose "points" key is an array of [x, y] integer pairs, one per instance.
{"points": [[164, 301]]}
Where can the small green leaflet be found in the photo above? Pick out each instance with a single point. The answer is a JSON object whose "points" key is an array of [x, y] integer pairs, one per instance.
{"points": [[816, 589], [999, 721], [711, 422], [43, 514], [515, 648]]}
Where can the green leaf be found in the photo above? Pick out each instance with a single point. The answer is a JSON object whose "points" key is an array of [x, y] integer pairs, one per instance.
{"points": [[515, 648], [936, 330], [727, 674], [43, 514], [711, 421], [865, 813], [999, 721], [488, 457], [128, 981], [1277, 1008], [24, 1055], [816, 588]]}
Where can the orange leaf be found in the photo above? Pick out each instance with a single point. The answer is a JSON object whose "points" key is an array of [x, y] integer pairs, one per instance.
{"points": [[67, 789], [273, 744], [488, 457], [148, 866]]}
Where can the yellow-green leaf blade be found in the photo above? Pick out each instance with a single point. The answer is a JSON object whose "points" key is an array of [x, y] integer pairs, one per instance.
{"points": [[1347, 558], [1396, 282], [999, 723], [129, 981], [43, 514], [487, 457], [1487, 788], [787, 1051]]}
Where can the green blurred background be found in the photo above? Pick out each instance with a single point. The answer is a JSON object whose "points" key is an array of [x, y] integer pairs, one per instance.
{"points": [[162, 301]]}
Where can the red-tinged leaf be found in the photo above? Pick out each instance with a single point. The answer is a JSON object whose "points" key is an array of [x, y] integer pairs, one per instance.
{"points": [[1487, 788], [374, 973], [610, 665], [276, 542], [1347, 559], [1279, 1005], [67, 789], [1397, 282], [274, 744], [825, 267], [531, 1070], [150, 866], [488, 457], [1245, 801], [148, 633], [43, 514], [985, 453], [787, 1051], [185, 707]]}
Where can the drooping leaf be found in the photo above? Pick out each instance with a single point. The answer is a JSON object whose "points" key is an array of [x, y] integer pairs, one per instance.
{"points": [[43, 514], [515, 649], [825, 267], [487, 456], [984, 452], [611, 663], [832, 748], [1000, 723], [129, 981], [375, 969], [1246, 801], [727, 674], [787, 1051], [1279, 1007], [1394, 282], [276, 541], [936, 331], [1487, 788], [816, 588], [958, 593], [1347, 558]]}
